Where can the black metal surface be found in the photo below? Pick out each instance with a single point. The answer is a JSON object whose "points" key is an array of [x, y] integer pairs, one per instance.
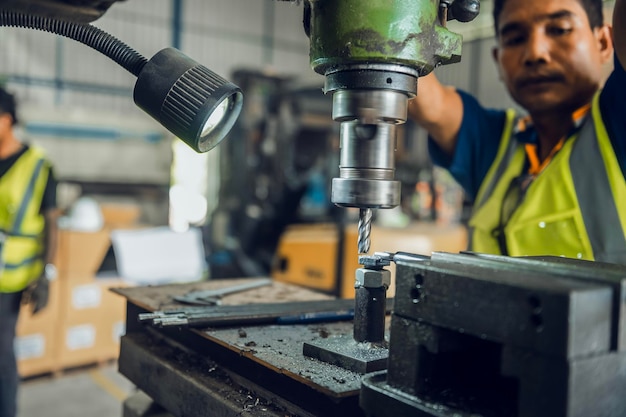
{"points": [[188, 385], [597, 387], [461, 345], [539, 311], [452, 369], [380, 399], [369, 314], [266, 360], [347, 353], [598, 272]]}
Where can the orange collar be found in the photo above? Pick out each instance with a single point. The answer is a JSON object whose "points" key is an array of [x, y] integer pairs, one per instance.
{"points": [[536, 165]]}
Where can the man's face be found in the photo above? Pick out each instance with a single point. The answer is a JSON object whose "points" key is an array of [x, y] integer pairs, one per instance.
{"points": [[548, 55]]}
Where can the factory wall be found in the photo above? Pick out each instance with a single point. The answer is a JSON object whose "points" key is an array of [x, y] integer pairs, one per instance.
{"points": [[48, 70]]}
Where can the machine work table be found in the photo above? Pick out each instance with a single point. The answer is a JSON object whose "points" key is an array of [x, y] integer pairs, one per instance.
{"points": [[470, 335], [236, 369]]}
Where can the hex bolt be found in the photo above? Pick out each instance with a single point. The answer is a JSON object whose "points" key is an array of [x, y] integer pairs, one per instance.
{"points": [[372, 278]]}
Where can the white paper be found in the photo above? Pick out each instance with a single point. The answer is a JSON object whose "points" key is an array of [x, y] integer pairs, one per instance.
{"points": [[159, 255]]}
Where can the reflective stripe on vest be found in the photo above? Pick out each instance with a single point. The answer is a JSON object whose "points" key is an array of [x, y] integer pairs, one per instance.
{"points": [[575, 208], [21, 192]]}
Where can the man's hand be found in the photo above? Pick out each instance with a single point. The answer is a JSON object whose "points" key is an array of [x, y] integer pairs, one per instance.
{"points": [[36, 294]]}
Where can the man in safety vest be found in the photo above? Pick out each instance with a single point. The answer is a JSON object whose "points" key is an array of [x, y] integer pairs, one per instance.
{"points": [[27, 236], [550, 183]]}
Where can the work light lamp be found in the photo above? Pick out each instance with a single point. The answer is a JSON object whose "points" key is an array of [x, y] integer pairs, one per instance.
{"points": [[188, 99]]}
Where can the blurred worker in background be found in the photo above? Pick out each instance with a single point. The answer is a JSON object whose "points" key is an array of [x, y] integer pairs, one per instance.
{"points": [[550, 183], [27, 236]]}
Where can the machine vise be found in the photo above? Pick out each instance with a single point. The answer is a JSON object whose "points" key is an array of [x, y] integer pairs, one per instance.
{"points": [[491, 336]]}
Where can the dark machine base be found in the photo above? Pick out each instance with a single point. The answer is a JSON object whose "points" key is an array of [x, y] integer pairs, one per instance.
{"points": [[347, 353], [379, 399]]}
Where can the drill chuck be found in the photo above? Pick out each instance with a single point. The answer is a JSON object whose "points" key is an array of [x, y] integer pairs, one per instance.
{"points": [[368, 141], [366, 170]]}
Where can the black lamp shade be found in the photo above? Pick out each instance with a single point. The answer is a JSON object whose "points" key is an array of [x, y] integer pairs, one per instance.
{"points": [[182, 94]]}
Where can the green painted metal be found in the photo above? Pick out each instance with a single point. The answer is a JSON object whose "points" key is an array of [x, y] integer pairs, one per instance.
{"points": [[405, 32]]}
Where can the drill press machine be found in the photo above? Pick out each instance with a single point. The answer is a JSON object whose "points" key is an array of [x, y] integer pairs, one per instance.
{"points": [[371, 53]]}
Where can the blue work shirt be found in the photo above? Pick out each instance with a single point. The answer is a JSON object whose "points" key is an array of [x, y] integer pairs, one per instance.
{"points": [[481, 130]]}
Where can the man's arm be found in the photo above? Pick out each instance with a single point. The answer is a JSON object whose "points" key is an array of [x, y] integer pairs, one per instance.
{"points": [[438, 109], [619, 30]]}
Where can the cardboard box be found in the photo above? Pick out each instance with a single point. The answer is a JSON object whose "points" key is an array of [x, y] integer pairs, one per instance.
{"points": [[77, 343], [120, 215], [35, 342], [90, 322], [81, 252], [307, 256]]}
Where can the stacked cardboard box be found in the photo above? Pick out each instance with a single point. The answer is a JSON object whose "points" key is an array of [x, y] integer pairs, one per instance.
{"points": [[83, 321]]}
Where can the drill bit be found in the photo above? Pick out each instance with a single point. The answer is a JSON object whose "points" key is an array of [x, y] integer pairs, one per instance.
{"points": [[365, 228]]}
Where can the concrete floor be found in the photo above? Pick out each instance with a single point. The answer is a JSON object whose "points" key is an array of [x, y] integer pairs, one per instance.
{"points": [[91, 392]]}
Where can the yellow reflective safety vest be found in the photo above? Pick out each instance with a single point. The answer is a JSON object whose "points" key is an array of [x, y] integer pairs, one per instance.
{"points": [[575, 208], [21, 222]]}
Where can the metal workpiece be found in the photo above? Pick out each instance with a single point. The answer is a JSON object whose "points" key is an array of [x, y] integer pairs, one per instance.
{"points": [[367, 351], [346, 353]]}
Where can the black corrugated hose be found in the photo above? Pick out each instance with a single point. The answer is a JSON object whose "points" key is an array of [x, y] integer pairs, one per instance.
{"points": [[84, 33]]}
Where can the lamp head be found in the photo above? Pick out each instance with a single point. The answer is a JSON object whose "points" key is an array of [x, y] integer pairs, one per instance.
{"points": [[188, 99]]}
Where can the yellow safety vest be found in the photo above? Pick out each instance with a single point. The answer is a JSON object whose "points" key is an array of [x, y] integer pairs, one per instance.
{"points": [[21, 222], [575, 208]]}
